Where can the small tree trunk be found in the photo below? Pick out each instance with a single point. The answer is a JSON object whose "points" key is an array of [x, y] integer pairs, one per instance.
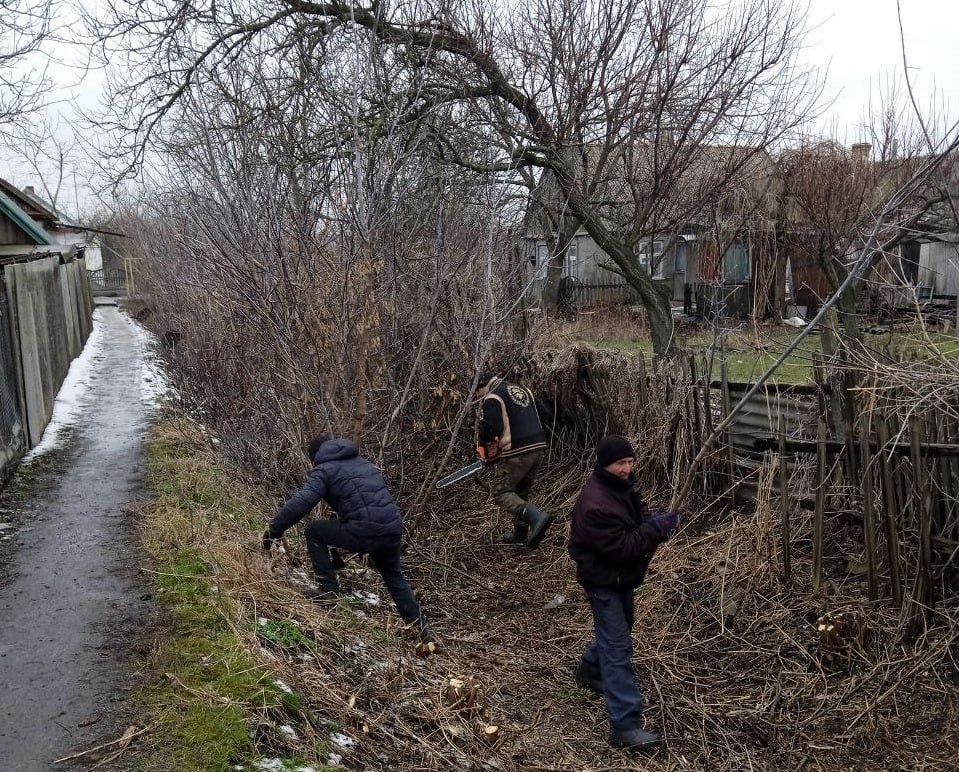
{"points": [[656, 301]]}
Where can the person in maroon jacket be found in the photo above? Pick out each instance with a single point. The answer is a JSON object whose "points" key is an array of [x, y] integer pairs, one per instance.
{"points": [[613, 536]]}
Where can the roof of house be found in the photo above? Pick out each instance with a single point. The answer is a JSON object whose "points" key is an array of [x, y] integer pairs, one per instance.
{"points": [[12, 210], [42, 211], [673, 183]]}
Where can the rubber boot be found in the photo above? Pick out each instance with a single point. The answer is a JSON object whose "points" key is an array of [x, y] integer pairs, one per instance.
{"points": [[634, 739], [423, 628], [518, 536], [538, 522]]}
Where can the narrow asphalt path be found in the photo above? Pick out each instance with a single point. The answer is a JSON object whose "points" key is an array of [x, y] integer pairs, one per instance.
{"points": [[73, 609]]}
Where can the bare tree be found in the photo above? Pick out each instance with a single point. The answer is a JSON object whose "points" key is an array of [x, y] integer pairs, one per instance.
{"points": [[315, 269], [48, 151], [830, 195], [616, 101], [24, 25]]}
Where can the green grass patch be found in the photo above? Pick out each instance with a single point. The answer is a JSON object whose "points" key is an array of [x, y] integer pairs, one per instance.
{"points": [[748, 354], [175, 470], [573, 694], [207, 687], [284, 634], [208, 683]]}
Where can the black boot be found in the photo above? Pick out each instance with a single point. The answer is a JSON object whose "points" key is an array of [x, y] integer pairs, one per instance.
{"points": [[322, 595], [634, 739], [518, 536], [423, 629], [588, 677], [538, 522]]}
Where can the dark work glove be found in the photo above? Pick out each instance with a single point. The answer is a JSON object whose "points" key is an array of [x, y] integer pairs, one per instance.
{"points": [[665, 522], [336, 560], [268, 540]]}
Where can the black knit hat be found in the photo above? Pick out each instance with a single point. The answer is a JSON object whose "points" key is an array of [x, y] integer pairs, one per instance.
{"points": [[315, 444], [485, 377], [613, 448]]}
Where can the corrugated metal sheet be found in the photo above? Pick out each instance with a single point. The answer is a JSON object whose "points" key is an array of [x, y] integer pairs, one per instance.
{"points": [[939, 267], [771, 410]]}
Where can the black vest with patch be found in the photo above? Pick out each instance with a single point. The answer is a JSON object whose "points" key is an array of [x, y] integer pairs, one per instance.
{"points": [[509, 412]]}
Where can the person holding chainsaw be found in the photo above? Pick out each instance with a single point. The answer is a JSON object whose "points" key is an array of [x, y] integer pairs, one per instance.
{"points": [[613, 536], [511, 441], [367, 521]]}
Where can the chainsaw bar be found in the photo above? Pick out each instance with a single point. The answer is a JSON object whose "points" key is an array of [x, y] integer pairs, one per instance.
{"points": [[461, 474]]}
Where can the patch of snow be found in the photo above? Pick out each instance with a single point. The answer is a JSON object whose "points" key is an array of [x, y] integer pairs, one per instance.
{"points": [[153, 381], [278, 765], [555, 602], [283, 687], [70, 398], [288, 730], [262, 621], [299, 573], [357, 648], [370, 598], [335, 759], [342, 740]]}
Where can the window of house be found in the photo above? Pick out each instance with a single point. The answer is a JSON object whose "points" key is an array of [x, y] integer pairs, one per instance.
{"points": [[659, 265], [542, 261], [736, 262], [572, 261], [651, 256]]}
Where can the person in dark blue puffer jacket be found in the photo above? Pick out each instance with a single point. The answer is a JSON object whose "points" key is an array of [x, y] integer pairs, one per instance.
{"points": [[367, 522]]}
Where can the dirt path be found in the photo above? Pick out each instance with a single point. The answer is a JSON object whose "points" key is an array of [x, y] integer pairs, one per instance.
{"points": [[72, 620]]}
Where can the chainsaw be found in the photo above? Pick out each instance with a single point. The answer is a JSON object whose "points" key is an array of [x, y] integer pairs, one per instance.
{"points": [[488, 453]]}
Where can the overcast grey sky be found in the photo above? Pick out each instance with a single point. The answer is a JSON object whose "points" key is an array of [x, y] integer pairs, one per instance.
{"points": [[857, 40]]}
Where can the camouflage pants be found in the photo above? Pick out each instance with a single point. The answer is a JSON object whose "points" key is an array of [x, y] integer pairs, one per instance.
{"points": [[512, 478]]}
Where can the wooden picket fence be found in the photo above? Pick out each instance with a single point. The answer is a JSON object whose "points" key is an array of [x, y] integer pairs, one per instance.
{"points": [[837, 453]]}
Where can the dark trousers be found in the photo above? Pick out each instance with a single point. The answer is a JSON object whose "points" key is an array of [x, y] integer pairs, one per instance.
{"points": [[610, 655], [513, 478], [384, 551]]}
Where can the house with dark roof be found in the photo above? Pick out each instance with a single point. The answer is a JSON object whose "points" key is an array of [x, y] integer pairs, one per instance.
{"points": [[714, 247], [29, 225]]}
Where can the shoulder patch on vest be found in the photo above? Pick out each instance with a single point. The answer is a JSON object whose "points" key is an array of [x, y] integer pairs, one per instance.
{"points": [[519, 395]]}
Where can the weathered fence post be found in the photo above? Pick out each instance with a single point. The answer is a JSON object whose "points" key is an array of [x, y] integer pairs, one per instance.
{"points": [[891, 519], [817, 536], [784, 504], [869, 522], [730, 454], [922, 594]]}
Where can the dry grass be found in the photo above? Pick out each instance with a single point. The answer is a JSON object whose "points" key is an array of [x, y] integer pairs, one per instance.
{"points": [[729, 657]]}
